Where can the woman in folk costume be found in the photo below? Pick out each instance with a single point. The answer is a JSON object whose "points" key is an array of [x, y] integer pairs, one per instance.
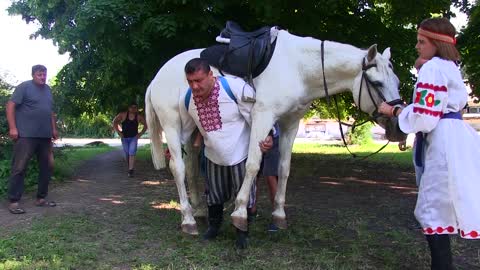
{"points": [[446, 148]]}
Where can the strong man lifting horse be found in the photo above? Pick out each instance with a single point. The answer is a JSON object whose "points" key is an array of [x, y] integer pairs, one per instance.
{"points": [[300, 70]]}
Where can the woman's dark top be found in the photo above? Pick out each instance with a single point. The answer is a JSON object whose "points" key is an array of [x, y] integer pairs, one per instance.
{"points": [[130, 127]]}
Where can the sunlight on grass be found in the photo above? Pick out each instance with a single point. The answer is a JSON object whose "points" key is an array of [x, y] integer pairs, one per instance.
{"points": [[389, 155], [161, 205], [156, 182], [112, 200]]}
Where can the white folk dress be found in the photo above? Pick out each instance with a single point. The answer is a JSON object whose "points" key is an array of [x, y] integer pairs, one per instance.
{"points": [[449, 193]]}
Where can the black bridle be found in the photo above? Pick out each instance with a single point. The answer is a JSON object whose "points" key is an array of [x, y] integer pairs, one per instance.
{"points": [[370, 85]]}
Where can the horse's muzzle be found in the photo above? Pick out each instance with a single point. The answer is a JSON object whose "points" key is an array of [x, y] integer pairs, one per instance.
{"points": [[390, 124]]}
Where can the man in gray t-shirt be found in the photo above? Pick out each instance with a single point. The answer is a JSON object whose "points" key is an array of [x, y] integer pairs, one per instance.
{"points": [[32, 127]]}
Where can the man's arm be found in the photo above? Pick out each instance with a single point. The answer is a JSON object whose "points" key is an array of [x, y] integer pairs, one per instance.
{"points": [[54, 126], [12, 125], [116, 124], [142, 121]]}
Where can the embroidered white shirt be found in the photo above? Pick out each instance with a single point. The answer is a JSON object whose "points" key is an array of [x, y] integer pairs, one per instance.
{"points": [[224, 124]]}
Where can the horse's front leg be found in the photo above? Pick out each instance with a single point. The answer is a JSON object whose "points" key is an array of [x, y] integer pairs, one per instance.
{"points": [[287, 138], [177, 167], [260, 129]]}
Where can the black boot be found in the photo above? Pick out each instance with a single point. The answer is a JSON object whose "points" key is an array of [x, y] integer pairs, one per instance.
{"points": [[251, 215], [215, 218], [440, 251], [242, 239]]}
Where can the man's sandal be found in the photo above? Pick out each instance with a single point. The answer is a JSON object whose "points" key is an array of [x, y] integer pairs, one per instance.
{"points": [[45, 203], [16, 210]]}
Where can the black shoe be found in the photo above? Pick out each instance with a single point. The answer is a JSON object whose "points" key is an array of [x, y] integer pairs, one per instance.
{"points": [[211, 233], [130, 173], [272, 228], [242, 239]]}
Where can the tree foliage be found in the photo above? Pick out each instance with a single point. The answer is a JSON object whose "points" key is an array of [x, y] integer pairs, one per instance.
{"points": [[4, 96], [117, 46], [469, 42]]}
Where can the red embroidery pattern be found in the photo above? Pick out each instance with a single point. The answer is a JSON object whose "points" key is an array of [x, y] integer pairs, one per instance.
{"points": [[427, 111], [430, 100], [418, 97], [472, 234], [450, 229], [209, 111], [430, 230], [441, 88]]}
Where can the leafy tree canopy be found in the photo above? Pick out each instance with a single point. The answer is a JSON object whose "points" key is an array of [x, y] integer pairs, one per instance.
{"points": [[469, 42], [117, 46], [4, 96]]}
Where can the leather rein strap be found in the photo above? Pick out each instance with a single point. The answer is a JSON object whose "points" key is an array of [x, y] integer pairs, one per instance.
{"points": [[368, 83]]}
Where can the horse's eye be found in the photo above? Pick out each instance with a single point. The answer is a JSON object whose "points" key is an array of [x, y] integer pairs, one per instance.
{"points": [[390, 66], [378, 84]]}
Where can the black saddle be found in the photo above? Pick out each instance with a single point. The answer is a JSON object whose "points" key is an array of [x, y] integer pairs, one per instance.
{"points": [[246, 56], [233, 29]]}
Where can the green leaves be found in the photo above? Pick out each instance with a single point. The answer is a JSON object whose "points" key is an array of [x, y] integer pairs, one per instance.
{"points": [[117, 46], [469, 44]]}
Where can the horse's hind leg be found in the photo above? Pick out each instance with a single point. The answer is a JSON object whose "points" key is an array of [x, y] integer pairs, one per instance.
{"points": [[177, 167], [194, 179]]}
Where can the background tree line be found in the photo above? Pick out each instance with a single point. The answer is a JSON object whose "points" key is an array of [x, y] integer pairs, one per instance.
{"points": [[117, 46]]}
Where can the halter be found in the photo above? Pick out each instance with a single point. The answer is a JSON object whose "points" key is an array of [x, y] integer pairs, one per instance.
{"points": [[370, 85]]}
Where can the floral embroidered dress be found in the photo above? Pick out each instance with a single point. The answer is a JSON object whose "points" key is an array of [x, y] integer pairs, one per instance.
{"points": [[224, 123], [449, 193]]}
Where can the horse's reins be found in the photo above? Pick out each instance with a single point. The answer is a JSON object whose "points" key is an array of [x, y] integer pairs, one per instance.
{"points": [[368, 83]]}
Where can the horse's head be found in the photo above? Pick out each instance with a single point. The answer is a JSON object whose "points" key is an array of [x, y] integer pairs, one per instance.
{"points": [[375, 84]]}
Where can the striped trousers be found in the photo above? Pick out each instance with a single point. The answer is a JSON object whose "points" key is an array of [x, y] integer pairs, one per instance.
{"points": [[224, 181]]}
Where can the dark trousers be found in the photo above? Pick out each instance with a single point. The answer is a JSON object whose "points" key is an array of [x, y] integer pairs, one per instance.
{"points": [[23, 150]]}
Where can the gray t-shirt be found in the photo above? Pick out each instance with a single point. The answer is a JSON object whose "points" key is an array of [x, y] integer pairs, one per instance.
{"points": [[33, 110]]}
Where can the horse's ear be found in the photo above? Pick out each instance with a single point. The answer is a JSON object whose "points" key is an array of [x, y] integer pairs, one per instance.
{"points": [[387, 53], [372, 52]]}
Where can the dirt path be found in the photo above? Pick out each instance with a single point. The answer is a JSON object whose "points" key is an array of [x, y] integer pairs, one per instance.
{"points": [[98, 186]]}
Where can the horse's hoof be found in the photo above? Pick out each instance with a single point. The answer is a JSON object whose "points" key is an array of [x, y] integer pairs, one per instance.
{"points": [[240, 223], [280, 222], [242, 240], [190, 229]]}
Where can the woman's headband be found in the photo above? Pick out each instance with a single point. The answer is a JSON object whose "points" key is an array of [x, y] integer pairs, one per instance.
{"points": [[437, 36]]}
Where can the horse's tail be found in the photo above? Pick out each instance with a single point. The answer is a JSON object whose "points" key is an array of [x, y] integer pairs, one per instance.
{"points": [[155, 131]]}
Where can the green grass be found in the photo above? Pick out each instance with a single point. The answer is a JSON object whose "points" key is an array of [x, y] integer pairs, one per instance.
{"points": [[338, 237], [73, 156], [148, 239], [143, 152], [389, 155], [52, 244]]}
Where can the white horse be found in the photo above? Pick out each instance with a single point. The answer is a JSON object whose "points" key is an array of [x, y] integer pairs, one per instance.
{"points": [[295, 76]]}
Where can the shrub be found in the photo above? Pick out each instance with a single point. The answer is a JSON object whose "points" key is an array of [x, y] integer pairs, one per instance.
{"points": [[4, 96], [92, 126], [361, 134]]}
